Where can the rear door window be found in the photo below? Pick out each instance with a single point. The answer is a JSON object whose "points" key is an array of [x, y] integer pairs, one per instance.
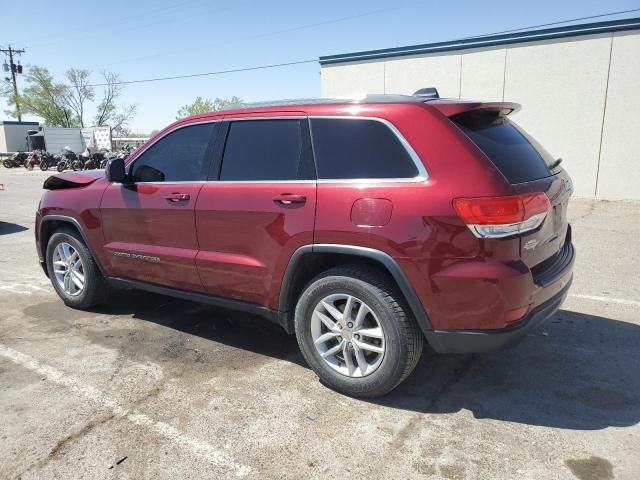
{"points": [[265, 150], [359, 149], [518, 156]]}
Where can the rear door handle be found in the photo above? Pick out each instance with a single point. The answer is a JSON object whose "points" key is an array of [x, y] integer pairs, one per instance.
{"points": [[177, 197], [289, 198]]}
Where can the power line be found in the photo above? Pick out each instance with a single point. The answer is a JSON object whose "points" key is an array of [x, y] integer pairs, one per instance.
{"points": [[553, 23], [300, 62], [219, 72], [97, 29], [265, 34]]}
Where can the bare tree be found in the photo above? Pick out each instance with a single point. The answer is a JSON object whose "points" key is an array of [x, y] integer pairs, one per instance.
{"points": [[120, 120], [78, 92], [107, 106]]}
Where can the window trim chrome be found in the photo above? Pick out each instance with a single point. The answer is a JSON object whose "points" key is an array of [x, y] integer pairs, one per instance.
{"points": [[150, 144], [422, 176]]}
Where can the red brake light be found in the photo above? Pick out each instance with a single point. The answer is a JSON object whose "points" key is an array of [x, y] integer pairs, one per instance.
{"points": [[501, 210]]}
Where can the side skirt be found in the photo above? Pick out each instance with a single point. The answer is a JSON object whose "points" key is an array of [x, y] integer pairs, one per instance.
{"points": [[252, 308]]}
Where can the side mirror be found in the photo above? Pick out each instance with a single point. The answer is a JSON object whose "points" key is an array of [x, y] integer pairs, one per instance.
{"points": [[115, 170]]}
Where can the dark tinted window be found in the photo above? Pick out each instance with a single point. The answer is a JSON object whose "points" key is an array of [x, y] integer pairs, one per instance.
{"points": [[518, 156], [178, 157], [349, 148], [264, 150]]}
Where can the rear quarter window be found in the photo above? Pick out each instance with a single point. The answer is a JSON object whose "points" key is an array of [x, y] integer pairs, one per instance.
{"points": [[359, 149], [518, 156]]}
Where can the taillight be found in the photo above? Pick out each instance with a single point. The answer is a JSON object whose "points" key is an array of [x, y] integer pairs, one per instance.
{"points": [[496, 217]]}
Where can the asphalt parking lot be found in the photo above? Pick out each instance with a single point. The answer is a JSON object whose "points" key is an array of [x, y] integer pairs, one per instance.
{"points": [[154, 387]]}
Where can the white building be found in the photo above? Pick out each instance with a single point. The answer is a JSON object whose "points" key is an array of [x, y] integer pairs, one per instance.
{"points": [[579, 87], [13, 135]]}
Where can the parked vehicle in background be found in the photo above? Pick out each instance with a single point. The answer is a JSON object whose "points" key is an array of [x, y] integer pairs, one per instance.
{"points": [[16, 160], [364, 227], [33, 159], [93, 160], [68, 156], [48, 160]]}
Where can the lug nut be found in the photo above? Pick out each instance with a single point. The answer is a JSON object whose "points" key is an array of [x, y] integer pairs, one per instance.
{"points": [[350, 325], [356, 336], [349, 344], [339, 326], [339, 338]]}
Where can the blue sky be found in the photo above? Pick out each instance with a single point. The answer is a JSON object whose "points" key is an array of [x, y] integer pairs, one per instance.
{"points": [[147, 39]]}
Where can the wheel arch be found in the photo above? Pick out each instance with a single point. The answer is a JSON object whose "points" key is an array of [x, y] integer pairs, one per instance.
{"points": [[309, 260], [49, 224]]}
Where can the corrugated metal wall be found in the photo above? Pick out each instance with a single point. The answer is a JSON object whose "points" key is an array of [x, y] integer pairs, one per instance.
{"points": [[57, 138]]}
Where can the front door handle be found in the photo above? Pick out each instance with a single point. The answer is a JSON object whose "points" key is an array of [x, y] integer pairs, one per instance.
{"points": [[177, 197], [289, 198]]}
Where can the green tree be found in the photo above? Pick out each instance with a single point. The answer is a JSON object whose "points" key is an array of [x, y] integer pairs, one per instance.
{"points": [[65, 104], [45, 98], [203, 105], [6, 89]]}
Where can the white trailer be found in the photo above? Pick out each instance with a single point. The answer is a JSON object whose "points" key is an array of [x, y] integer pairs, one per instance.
{"points": [[56, 138]]}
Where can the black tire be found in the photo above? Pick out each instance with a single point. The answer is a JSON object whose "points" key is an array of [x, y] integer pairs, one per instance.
{"points": [[95, 289], [7, 163], [60, 167], [44, 166], [403, 338]]}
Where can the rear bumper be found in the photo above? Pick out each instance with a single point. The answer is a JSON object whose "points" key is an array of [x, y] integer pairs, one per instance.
{"points": [[478, 341]]}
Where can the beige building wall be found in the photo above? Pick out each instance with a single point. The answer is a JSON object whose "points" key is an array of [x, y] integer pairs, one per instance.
{"points": [[619, 175], [408, 74], [352, 79], [483, 74], [580, 97], [562, 86]]}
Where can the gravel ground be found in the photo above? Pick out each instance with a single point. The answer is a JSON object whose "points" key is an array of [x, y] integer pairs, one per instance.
{"points": [[154, 387]]}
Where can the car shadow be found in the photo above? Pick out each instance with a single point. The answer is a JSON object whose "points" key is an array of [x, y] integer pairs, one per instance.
{"points": [[577, 372], [235, 329], [7, 228]]}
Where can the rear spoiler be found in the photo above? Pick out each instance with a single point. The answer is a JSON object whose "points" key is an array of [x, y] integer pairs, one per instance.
{"points": [[450, 108]]}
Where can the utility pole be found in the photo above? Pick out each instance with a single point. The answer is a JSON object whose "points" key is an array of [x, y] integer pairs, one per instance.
{"points": [[10, 51]]}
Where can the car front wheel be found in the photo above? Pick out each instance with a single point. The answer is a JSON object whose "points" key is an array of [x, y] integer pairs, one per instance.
{"points": [[73, 271], [354, 332]]}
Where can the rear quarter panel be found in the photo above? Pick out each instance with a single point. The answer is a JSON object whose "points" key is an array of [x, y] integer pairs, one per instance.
{"points": [[424, 234]]}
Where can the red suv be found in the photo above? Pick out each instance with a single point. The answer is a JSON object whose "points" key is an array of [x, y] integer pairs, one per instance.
{"points": [[364, 227]]}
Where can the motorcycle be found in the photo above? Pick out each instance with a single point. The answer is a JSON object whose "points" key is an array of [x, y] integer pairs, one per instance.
{"points": [[95, 158], [67, 158], [16, 160], [48, 160], [32, 160], [124, 153]]}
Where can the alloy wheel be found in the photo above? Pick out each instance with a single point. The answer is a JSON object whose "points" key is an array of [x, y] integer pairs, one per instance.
{"points": [[348, 335], [68, 269]]}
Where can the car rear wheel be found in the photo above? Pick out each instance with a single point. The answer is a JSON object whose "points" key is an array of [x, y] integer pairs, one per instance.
{"points": [[73, 271], [355, 333]]}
